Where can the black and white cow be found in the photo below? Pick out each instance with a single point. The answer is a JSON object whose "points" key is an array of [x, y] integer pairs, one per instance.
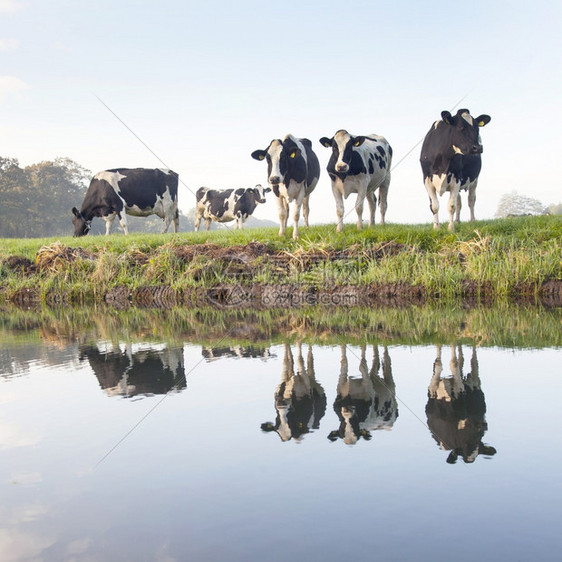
{"points": [[225, 205], [359, 164], [456, 409], [138, 192], [136, 369], [367, 403], [292, 172], [451, 161], [300, 401]]}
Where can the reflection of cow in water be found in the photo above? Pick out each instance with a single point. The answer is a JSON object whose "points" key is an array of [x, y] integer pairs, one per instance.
{"points": [[236, 352], [456, 408], [300, 400], [365, 404], [130, 370]]}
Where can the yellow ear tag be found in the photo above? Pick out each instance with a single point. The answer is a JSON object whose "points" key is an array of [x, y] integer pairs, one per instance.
{"points": [[261, 156], [293, 154], [481, 123], [356, 143]]}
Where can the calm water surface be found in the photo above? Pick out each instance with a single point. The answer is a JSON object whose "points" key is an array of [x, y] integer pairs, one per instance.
{"points": [[153, 449]]}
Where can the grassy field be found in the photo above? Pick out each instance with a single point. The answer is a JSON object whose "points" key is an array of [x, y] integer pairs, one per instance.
{"points": [[500, 255]]}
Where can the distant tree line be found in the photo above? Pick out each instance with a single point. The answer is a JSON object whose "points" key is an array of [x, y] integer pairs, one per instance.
{"points": [[36, 200], [513, 204]]}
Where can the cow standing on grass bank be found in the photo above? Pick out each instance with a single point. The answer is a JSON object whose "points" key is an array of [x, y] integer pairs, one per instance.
{"points": [[227, 205], [451, 161], [359, 165], [139, 192], [292, 172]]}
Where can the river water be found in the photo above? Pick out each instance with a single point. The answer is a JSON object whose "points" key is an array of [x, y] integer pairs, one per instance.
{"points": [[145, 438]]}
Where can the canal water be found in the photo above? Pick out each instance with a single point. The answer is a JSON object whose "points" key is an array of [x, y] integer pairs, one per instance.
{"points": [[132, 438]]}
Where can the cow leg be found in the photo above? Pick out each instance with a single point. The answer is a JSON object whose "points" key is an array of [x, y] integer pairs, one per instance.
{"points": [[383, 196], [459, 207], [472, 198], [283, 209], [372, 201], [305, 210], [197, 221], [123, 223], [359, 209], [176, 221], [339, 207], [208, 224], [433, 201], [167, 220], [452, 205], [297, 213]]}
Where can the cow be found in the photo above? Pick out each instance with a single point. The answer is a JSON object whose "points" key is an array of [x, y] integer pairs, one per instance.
{"points": [[359, 164], [138, 192], [364, 404], [451, 161], [227, 205], [300, 401], [236, 352], [456, 409], [292, 172], [130, 370]]}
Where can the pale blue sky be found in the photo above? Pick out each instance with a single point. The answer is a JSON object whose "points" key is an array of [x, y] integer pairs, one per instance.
{"points": [[203, 84]]}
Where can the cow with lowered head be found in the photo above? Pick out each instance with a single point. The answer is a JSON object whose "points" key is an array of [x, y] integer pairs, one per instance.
{"points": [[292, 172], [138, 192], [451, 161], [226, 205], [359, 164]]}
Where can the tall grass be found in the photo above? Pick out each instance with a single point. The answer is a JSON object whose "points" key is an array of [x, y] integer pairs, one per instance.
{"points": [[502, 254]]}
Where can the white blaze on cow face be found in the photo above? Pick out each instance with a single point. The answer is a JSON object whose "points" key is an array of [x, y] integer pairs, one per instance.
{"points": [[341, 138], [274, 153]]}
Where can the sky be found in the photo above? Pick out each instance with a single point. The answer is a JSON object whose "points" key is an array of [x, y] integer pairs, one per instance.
{"points": [[198, 86]]}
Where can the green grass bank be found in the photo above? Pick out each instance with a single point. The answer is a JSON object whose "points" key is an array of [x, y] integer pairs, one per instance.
{"points": [[505, 259]]}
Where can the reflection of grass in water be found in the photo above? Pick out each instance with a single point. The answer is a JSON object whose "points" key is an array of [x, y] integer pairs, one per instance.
{"points": [[504, 326]]}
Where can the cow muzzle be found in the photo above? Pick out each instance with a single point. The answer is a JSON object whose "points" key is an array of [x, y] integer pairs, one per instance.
{"points": [[274, 180], [477, 149], [343, 168]]}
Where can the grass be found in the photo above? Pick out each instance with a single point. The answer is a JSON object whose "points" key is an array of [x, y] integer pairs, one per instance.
{"points": [[500, 254], [498, 325]]}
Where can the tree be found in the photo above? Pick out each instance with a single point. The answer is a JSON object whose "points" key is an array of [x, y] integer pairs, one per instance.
{"points": [[36, 200], [555, 209], [513, 204]]}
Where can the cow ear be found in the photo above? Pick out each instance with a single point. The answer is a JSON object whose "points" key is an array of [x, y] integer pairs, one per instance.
{"points": [[258, 154], [325, 141], [447, 117], [75, 212], [295, 153], [483, 120], [358, 141]]}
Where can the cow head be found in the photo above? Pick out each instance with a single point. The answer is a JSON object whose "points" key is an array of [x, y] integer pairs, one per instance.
{"points": [[465, 137], [259, 193], [81, 225], [282, 157], [342, 145]]}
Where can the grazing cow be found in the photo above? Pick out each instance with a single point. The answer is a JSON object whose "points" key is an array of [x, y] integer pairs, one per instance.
{"points": [[359, 165], [136, 369], [364, 404], [292, 172], [228, 204], [139, 192], [456, 409], [300, 401], [450, 160]]}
